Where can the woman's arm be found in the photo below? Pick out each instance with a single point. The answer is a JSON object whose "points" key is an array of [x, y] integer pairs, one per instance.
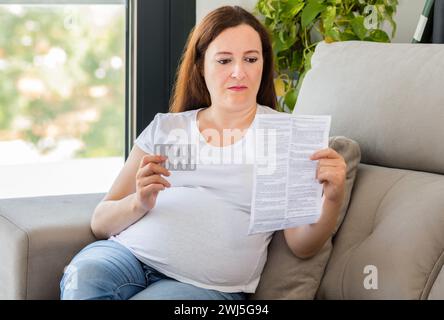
{"points": [[131, 196], [113, 216], [305, 241]]}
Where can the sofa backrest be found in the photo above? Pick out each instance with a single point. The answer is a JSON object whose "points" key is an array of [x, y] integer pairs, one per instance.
{"points": [[387, 97]]}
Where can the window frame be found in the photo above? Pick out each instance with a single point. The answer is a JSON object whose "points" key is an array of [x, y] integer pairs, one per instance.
{"points": [[166, 23]]}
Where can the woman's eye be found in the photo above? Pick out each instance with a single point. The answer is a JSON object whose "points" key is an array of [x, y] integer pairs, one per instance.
{"points": [[251, 60], [224, 61]]}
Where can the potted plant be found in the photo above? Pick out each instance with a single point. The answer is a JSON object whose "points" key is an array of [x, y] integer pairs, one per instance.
{"points": [[297, 26]]}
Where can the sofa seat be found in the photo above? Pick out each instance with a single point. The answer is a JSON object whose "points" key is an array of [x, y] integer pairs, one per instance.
{"points": [[395, 223]]}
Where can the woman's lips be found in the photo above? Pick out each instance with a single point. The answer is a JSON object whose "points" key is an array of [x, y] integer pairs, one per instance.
{"points": [[237, 88]]}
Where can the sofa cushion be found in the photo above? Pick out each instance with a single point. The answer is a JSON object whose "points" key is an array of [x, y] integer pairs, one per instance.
{"points": [[285, 276], [387, 97], [394, 228]]}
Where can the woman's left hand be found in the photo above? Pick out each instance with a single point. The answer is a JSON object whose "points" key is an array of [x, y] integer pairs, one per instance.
{"points": [[331, 173]]}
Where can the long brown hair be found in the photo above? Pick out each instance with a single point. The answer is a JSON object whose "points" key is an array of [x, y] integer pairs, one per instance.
{"points": [[190, 91]]}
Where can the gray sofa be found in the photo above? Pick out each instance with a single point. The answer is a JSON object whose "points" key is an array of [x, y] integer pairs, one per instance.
{"points": [[390, 99]]}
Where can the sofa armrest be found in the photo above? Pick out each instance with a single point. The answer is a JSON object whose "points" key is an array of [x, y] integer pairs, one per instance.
{"points": [[38, 238], [13, 257]]}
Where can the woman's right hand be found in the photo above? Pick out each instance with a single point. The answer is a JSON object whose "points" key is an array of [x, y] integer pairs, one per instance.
{"points": [[149, 182]]}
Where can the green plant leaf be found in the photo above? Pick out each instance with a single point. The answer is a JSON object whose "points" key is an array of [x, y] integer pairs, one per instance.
{"points": [[265, 8], [279, 86], [388, 13], [290, 98], [348, 35], [332, 35], [296, 60], [311, 11], [328, 17], [358, 27], [298, 87], [293, 7], [278, 44], [378, 36], [307, 63], [291, 39]]}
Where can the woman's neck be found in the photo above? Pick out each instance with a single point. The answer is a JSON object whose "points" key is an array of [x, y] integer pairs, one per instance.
{"points": [[219, 118]]}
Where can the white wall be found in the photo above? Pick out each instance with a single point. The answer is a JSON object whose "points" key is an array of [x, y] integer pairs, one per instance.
{"points": [[205, 6], [407, 15]]}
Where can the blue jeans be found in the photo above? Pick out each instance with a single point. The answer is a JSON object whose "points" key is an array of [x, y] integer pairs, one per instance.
{"points": [[107, 270]]}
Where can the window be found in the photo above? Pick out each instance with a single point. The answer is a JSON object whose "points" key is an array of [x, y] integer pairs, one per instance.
{"points": [[74, 95], [62, 96]]}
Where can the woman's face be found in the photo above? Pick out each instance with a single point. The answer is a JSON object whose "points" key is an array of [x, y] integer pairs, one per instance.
{"points": [[233, 68]]}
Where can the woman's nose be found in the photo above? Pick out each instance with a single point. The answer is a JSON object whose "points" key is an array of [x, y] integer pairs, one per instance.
{"points": [[238, 71]]}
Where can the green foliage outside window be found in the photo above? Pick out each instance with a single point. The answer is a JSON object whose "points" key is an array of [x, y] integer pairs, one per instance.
{"points": [[62, 77]]}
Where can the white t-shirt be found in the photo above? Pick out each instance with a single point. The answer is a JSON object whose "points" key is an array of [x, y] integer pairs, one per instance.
{"points": [[197, 231]]}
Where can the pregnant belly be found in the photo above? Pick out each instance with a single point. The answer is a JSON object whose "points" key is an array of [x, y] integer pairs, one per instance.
{"points": [[192, 234]]}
